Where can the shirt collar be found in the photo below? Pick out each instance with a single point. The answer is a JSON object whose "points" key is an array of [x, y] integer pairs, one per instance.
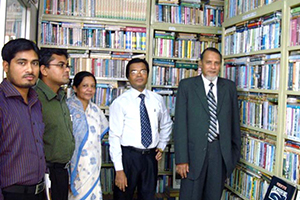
{"points": [[207, 82], [48, 92], [10, 91], [136, 93]]}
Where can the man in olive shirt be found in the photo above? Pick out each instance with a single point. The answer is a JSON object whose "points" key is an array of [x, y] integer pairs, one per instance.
{"points": [[58, 139]]}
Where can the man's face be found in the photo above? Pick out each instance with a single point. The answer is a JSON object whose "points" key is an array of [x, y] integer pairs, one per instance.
{"points": [[56, 72], [138, 76], [211, 64], [23, 69]]}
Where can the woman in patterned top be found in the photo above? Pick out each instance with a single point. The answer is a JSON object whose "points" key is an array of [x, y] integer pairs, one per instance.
{"points": [[89, 124]]}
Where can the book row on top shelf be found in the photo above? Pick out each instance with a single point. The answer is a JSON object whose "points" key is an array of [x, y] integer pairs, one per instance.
{"points": [[189, 12], [237, 7], [112, 9]]}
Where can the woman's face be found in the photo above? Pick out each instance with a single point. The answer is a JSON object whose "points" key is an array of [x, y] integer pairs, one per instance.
{"points": [[86, 90]]}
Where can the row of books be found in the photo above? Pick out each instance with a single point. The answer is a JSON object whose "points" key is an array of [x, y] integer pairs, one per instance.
{"points": [[229, 195], [248, 182], [259, 34], [166, 163], [107, 179], [91, 35], [238, 7], [292, 121], [294, 26], [172, 75], [256, 72], [106, 93], [258, 149], [163, 181], [192, 14], [291, 162], [183, 45], [113, 9], [259, 110], [294, 71], [101, 64]]}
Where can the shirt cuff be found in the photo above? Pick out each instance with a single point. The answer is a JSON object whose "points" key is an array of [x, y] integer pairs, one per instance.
{"points": [[118, 166]]}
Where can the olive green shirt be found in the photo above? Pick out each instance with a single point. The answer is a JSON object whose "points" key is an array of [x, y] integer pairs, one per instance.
{"points": [[59, 142]]}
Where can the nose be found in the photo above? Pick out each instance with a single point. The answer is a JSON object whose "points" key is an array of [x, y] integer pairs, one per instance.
{"points": [[29, 68]]}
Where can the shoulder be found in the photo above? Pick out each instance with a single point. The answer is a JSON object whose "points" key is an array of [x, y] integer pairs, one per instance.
{"points": [[227, 82]]}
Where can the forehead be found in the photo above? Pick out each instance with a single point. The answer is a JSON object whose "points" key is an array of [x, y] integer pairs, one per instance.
{"points": [[26, 55], [139, 65], [58, 57], [208, 55], [88, 79]]}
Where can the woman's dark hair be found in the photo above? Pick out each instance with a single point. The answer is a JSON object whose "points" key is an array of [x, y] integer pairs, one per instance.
{"points": [[11, 48], [136, 60], [80, 76]]}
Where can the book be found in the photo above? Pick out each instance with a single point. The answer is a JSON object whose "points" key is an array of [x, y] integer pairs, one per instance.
{"points": [[280, 190]]}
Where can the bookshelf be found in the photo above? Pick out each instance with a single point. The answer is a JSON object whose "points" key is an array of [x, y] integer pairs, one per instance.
{"points": [[178, 34], [100, 37], [266, 78]]}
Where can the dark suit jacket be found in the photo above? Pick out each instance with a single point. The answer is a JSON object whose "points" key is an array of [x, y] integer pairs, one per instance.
{"points": [[192, 121]]}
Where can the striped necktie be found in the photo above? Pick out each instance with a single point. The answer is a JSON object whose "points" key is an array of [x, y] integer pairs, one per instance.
{"points": [[145, 123], [212, 107]]}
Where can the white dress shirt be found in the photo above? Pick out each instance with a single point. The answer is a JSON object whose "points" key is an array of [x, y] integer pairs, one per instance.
{"points": [[206, 83], [125, 126]]}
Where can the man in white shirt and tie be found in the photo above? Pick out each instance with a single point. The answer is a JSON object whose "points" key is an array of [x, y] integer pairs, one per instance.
{"points": [[140, 128]]}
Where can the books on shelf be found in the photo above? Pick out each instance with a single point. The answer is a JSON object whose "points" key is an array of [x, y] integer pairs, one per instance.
{"points": [[113, 9], [259, 110], [294, 71], [190, 12], [258, 149], [291, 162], [238, 7], [248, 182], [93, 36], [258, 34], [294, 26], [255, 72]]}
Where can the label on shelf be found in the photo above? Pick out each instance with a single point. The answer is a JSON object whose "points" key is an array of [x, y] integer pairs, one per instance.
{"points": [[249, 15]]}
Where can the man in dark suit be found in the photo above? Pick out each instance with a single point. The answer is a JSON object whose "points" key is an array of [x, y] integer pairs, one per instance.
{"points": [[206, 132]]}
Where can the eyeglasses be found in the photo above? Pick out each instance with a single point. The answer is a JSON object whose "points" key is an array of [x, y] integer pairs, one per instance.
{"points": [[61, 65], [135, 72]]}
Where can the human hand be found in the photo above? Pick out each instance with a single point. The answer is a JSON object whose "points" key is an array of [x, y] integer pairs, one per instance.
{"points": [[182, 169], [121, 180], [158, 156]]}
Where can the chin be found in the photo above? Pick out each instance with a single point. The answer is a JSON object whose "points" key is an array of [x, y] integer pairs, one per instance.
{"points": [[211, 78]]}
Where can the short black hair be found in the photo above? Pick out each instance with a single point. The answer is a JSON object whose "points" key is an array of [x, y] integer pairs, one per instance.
{"points": [[211, 49], [80, 76], [136, 60], [11, 48], [47, 53]]}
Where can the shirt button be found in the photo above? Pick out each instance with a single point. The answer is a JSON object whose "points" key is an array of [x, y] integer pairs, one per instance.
{"points": [[37, 141], [204, 149], [41, 157], [33, 123]]}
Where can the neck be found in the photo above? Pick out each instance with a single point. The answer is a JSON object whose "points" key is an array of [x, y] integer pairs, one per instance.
{"points": [[84, 104], [24, 93], [52, 86]]}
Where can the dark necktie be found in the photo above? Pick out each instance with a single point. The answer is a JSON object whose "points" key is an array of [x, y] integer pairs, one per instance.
{"points": [[212, 107], [145, 123]]}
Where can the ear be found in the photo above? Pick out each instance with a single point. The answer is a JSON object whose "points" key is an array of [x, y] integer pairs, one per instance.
{"points": [[75, 89], [5, 66], [43, 70]]}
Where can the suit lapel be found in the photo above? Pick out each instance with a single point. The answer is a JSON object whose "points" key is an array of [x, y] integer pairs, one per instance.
{"points": [[200, 91], [221, 93]]}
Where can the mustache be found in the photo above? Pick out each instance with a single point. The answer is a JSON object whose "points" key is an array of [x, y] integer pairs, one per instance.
{"points": [[29, 75]]}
